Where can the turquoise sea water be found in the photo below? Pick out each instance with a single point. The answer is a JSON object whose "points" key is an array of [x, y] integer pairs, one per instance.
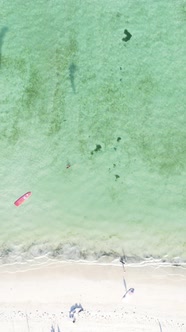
{"points": [[73, 92]]}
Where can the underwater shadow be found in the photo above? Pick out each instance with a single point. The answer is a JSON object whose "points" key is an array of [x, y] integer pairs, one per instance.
{"points": [[72, 69], [3, 32]]}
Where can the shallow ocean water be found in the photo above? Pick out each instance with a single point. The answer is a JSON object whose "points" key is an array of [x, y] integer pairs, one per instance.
{"points": [[73, 92]]}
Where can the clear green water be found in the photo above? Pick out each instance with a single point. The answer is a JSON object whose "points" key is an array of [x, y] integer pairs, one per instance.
{"points": [[69, 84]]}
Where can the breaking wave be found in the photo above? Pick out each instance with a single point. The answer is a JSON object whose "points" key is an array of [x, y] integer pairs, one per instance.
{"points": [[43, 252]]}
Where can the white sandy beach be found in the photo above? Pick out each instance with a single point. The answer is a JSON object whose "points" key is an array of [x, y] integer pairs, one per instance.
{"points": [[34, 299]]}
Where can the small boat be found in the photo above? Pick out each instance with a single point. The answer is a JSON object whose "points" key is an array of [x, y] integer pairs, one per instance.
{"points": [[23, 198]]}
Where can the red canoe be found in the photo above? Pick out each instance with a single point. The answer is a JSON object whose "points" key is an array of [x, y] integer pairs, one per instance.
{"points": [[23, 198]]}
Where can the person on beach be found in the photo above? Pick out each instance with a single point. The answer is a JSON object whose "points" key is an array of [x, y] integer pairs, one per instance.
{"points": [[130, 291], [74, 310], [122, 262]]}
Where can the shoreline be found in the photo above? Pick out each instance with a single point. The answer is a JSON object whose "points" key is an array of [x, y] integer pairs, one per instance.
{"points": [[43, 297], [64, 252], [45, 260]]}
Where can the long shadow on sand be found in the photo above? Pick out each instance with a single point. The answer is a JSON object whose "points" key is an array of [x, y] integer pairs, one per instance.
{"points": [[53, 329]]}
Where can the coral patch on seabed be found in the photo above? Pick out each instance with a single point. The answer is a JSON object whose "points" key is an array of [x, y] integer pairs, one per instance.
{"points": [[127, 36]]}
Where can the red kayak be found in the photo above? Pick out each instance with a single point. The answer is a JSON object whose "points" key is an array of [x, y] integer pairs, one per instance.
{"points": [[23, 198]]}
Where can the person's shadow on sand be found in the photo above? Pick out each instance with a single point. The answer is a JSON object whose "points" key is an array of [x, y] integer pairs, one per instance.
{"points": [[53, 329], [3, 32]]}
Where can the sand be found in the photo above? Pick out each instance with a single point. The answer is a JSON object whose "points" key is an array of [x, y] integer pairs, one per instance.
{"points": [[35, 298]]}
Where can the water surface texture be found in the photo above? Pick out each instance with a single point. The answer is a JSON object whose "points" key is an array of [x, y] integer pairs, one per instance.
{"points": [[98, 86]]}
